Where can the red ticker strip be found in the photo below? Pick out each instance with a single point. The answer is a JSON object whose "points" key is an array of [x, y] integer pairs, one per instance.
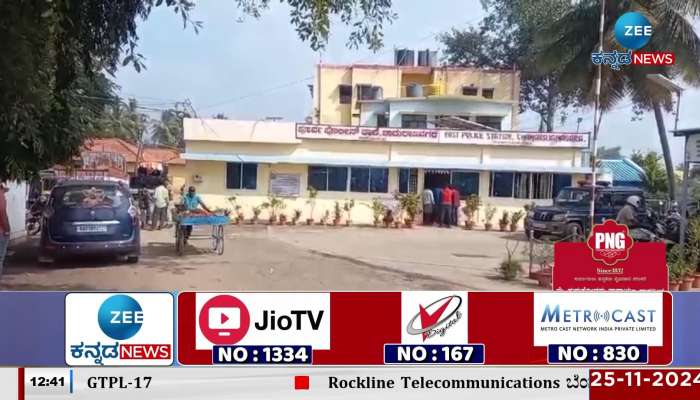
{"points": [[20, 383], [667, 384]]}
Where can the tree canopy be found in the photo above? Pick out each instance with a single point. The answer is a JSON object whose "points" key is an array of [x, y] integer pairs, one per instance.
{"points": [[505, 39], [56, 54]]}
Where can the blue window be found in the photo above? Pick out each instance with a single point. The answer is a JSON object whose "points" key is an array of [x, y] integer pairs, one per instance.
{"points": [[408, 180], [560, 181], [467, 183], [501, 184], [241, 176], [373, 180], [333, 179]]}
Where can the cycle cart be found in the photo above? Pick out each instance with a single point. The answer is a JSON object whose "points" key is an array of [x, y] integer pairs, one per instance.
{"points": [[217, 223]]}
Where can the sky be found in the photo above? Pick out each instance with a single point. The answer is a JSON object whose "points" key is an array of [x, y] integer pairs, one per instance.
{"points": [[250, 68]]}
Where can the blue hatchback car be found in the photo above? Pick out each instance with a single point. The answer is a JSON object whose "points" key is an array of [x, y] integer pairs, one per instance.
{"points": [[90, 218]]}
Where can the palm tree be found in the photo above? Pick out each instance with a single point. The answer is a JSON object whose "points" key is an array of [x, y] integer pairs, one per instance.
{"points": [[569, 42], [169, 130]]}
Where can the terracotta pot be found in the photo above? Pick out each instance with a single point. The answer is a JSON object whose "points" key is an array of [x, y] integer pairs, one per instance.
{"points": [[696, 280], [397, 224], [686, 284], [468, 225], [674, 286], [488, 226], [503, 227], [336, 222], [309, 221], [348, 222], [376, 224], [408, 223], [513, 228]]}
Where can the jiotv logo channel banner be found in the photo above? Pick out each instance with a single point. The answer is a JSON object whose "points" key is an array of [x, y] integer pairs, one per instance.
{"points": [[502, 328], [134, 329]]}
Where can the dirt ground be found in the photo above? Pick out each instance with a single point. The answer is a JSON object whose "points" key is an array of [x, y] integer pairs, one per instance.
{"points": [[286, 258]]}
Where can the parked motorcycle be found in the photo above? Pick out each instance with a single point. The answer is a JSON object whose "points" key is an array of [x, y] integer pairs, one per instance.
{"points": [[33, 216]]}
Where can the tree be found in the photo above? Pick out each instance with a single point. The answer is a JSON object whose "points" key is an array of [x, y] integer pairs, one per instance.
{"points": [[568, 43], [656, 181], [506, 39], [612, 153], [169, 130], [48, 47]]}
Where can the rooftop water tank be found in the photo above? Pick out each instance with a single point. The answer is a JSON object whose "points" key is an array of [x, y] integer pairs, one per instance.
{"points": [[414, 90], [404, 57], [427, 58]]}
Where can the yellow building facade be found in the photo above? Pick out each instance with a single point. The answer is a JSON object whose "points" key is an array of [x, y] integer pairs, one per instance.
{"points": [[376, 130]]}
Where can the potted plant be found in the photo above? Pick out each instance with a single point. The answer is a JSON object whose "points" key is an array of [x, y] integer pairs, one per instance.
{"points": [[408, 203], [378, 210], [236, 208], [275, 205], [515, 219], [313, 193], [510, 268], [489, 214], [256, 214], [471, 207], [283, 219], [296, 217], [240, 216], [337, 214], [325, 218], [347, 207], [676, 265], [694, 249], [504, 221]]}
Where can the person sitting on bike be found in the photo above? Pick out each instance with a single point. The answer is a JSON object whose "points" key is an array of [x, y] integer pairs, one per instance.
{"points": [[191, 202], [628, 214]]}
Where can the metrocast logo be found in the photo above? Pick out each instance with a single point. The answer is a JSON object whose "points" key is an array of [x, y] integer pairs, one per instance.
{"points": [[433, 317], [610, 243], [263, 319], [598, 318], [119, 329]]}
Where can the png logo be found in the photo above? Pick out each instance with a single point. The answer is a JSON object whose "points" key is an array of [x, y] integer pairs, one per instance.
{"points": [[610, 242], [119, 328], [433, 318], [263, 319]]}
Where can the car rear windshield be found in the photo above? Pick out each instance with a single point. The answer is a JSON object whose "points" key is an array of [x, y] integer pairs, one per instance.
{"points": [[89, 196]]}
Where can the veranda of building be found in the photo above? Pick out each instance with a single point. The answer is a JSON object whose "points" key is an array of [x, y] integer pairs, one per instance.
{"points": [[377, 130]]}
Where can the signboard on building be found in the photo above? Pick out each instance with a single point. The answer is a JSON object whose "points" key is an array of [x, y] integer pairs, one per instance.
{"points": [[443, 136], [285, 185], [693, 148]]}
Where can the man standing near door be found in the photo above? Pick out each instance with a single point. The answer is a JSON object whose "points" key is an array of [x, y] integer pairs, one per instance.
{"points": [[446, 207], [428, 206], [456, 201]]}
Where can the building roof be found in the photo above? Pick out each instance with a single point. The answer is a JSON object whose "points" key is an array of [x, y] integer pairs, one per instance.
{"points": [[686, 132], [129, 151], [624, 170], [421, 69]]}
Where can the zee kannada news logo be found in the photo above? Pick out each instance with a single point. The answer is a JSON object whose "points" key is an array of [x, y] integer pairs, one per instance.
{"points": [[120, 317], [610, 242], [633, 31]]}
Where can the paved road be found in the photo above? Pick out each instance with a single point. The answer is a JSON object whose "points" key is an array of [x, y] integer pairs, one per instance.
{"points": [[284, 258]]}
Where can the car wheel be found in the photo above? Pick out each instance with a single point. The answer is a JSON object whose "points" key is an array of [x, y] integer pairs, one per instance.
{"points": [[574, 232], [132, 259], [537, 235]]}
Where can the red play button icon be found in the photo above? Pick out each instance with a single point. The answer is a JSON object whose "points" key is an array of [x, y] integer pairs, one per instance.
{"points": [[224, 319]]}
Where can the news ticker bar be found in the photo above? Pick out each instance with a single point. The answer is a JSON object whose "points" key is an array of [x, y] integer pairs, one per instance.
{"points": [[345, 328], [352, 382]]}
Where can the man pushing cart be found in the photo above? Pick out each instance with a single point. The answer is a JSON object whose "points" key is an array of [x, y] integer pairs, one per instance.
{"points": [[190, 214]]}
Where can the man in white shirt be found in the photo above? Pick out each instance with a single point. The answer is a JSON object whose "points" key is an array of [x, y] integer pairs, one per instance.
{"points": [[161, 200]]}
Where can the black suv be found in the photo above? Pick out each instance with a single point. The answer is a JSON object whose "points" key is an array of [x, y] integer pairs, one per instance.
{"points": [[569, 216]]}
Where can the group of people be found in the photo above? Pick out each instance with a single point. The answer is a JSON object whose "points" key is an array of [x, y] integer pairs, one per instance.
{"points": [[154, 205], [441, 206]]}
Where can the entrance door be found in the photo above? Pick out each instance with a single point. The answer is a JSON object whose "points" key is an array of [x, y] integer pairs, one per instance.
{"points": [[436, 178]]}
